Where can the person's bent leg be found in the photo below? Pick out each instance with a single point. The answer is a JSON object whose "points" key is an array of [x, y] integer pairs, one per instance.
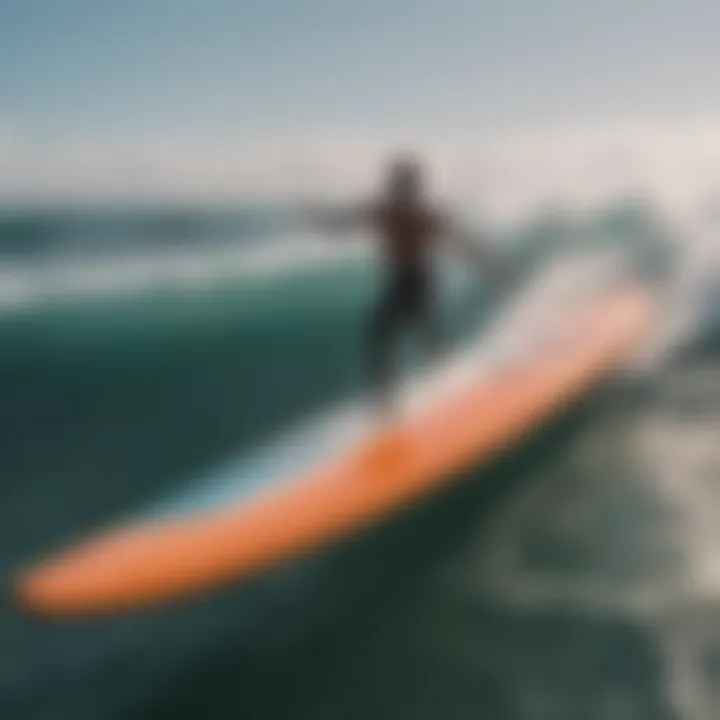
{"points": [[384, 326], [435, 335], [431, 323]]}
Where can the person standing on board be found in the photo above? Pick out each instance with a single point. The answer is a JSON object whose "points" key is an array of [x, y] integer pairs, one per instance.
{"points": [[408, 228]]}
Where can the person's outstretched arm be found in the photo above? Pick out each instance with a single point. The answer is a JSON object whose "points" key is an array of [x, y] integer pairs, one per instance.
{"points": [[474, 250], [339, 221]]}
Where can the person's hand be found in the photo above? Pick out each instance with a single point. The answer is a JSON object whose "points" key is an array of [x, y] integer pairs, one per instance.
{"points": [[497, 271], [504, 277]]}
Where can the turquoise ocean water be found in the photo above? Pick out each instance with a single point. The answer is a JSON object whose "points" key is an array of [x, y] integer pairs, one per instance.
{"points": [[574, 579]]}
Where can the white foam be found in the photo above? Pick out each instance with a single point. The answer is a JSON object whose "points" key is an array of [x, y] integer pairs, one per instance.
{"points": [[537, 312], [24, 286]]}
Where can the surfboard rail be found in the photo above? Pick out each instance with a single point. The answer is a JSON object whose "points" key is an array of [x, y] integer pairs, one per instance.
{"points": [[155, 561]]}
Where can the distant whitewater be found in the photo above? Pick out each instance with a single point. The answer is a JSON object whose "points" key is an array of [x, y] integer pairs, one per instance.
{"points": [[66, 254]]}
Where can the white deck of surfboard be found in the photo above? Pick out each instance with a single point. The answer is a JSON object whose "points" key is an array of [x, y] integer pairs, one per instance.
{"points": [[529, 321]]}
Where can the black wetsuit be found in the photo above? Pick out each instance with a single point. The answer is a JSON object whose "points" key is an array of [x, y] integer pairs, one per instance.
{"points": [[409, 297]]}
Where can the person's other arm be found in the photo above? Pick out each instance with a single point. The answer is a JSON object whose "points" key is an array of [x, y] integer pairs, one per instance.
{"points": [[474, 250]]}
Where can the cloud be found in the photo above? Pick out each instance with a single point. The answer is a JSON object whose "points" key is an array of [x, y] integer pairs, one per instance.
{"points": [[505, 170], [7, 145]]}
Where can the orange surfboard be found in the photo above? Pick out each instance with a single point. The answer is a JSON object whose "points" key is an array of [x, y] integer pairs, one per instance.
{"points": [[192, 549]]}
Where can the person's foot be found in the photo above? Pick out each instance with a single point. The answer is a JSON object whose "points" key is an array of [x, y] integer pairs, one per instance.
{"points": [[385, 412], [383, 406]]}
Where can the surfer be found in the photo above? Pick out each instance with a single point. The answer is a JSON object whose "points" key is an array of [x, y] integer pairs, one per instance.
{"points": [[408, 227]]}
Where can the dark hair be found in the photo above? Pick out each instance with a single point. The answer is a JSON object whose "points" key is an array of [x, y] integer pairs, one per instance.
{"points": [[404, 175]]}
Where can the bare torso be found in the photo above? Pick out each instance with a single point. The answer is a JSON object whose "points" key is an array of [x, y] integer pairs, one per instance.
{"points": [[407, 234]]}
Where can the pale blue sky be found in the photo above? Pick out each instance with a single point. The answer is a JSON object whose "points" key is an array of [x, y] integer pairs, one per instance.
{"points": [[122, 67], [91, 89]]}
